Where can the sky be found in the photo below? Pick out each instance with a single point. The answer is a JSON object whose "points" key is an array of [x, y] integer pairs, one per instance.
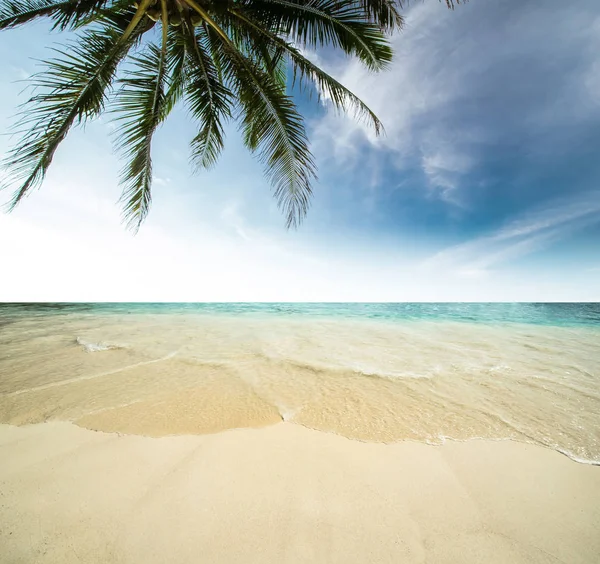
{"points": [[485, 186]]}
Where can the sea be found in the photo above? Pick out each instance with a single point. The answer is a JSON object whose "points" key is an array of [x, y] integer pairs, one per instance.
{"points": [[380, 372]]}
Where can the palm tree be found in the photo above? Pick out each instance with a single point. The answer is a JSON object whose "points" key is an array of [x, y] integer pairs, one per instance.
{"points": [[227, 59]]}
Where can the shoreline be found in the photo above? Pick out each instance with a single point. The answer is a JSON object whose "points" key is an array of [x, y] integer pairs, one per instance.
{"points": [[364, 380], [287, 493], [443, 440]]}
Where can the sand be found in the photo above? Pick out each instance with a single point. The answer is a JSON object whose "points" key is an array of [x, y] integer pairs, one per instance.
{"points": [[288, 494], [374, 381]]}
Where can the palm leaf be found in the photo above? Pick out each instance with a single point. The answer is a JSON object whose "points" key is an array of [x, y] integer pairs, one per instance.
{"points": [[177, 75], [65, 13], [271, 126], [340, 96], [234, 58], [450, 3], [384, 13], [268, 57], [140, 108], [73, 89], [208, 98], [320, 22]]}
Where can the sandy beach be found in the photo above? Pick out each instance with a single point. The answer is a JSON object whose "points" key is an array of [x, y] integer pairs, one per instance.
{"points": [[149, 437], [285, 493]]}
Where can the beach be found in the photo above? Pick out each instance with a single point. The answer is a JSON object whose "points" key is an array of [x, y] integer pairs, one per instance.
{"points": [[241, 433], [285, 493]]}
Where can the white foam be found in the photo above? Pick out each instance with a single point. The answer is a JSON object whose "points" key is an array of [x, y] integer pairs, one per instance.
{"points": [[576, 458], [286, 413], [443, 439], [500, 368], [96, 347], [387, 374]]}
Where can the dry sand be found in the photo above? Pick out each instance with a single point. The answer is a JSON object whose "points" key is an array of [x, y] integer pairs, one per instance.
{"points": [[288, 494]]}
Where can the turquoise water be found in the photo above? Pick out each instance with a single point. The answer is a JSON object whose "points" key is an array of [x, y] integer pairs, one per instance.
{"points": [[552, 314]]}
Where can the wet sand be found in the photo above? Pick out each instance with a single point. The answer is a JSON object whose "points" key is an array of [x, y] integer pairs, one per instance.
{"points": [[288, 494], [168, 374]]}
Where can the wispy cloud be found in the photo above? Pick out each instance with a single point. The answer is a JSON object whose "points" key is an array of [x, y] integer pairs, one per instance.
{"points": [[468, 83], [444, 168], [530, 232], [160, 181]]}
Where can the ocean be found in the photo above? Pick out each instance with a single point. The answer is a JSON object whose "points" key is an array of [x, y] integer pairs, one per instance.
{"points": [[370, 372]]}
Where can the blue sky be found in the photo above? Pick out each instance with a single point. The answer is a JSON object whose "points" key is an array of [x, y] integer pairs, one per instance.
{"points": [[486, 185]]}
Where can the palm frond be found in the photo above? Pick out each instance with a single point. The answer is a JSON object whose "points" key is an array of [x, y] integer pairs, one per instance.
{"points": [[229, 58], [384, 13], [176, 71], [65, 13], [320, 22], [208, 98], [272, 126], [337, 93], [275, 63], [265, 55], [450, 3], [73, 89], [140, 109]]}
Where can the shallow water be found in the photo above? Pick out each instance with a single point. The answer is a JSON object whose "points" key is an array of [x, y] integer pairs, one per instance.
{"points": [[374, 372]]}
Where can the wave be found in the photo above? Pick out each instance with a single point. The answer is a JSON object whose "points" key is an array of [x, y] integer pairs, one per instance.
{"points": [[96, 347], [575, 457], [440, 440], [353, 368]]}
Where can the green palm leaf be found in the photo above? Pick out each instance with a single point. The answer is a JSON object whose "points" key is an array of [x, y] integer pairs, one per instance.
{"points": [[141, 107], [272, 127], [319, 22], [384, 13], [177, 75], [208, 98], [340, 96], [73, 89], [224, 58], [65, 13]]}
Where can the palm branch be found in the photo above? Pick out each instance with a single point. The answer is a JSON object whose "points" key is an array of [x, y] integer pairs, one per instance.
{"points": [[224, 59]]}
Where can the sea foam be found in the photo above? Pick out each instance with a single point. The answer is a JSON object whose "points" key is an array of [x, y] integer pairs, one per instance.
{"points": [[96, 347]]}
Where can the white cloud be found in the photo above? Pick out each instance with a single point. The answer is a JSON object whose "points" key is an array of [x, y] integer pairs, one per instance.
{"points": [[466, 79], [443, 167], [529, 232], [159, 181], [418, 83]]}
